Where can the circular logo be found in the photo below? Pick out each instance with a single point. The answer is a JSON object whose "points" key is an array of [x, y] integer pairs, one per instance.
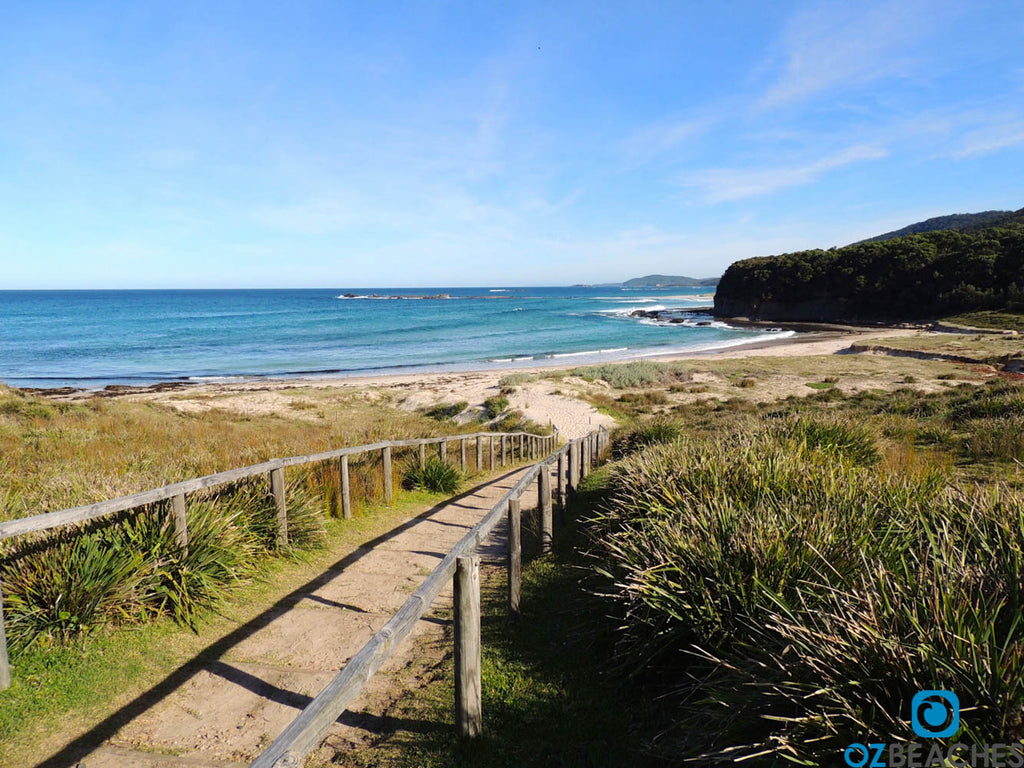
{"points": [[935, 714]]}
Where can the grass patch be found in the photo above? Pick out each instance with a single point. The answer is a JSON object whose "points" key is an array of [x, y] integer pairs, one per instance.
{"points": [[435, 475], [495, 406], [629, 375], [1001, 320], [445, 411]]}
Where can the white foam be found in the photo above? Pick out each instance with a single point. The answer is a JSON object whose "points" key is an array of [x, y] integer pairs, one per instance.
{"points": [[590, 352]]}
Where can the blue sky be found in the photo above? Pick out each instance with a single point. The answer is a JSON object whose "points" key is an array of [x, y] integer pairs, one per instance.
{"points": [[337, 144]]}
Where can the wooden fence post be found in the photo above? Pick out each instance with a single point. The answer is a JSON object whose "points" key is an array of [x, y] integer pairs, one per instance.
{"points": [[502, 439], [479, 454], [468, 714], [277, 489], [462, 454], [5, 662], [423, 455], [522, 445], [490, 448], [574, 467], [546, 526], [180, 522], [561, 486], [585, 458], [389, 478], [515, 556], [346, 493], [442, 450]]}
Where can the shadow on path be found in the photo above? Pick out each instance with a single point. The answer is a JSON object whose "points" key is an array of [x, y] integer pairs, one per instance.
{"points": [[209, 657]]}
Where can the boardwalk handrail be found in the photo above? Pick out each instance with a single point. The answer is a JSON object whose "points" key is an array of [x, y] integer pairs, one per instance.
{"points": [[88, 512], [175, 492], [310, 727]]}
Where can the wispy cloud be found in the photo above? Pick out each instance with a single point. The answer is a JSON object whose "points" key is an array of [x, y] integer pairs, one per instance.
{"points": [[992, 139], [724, 184], [835, 45], [655, 139]]}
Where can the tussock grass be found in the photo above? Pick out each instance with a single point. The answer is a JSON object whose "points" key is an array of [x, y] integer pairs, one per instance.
{"points": [[443, 411], [792, 578], [495, 406], [435, 475], [639, 373]]}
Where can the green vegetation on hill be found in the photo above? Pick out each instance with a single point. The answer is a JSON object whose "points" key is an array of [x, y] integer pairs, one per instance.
{"points": [[916, 277], [953, 221], [669, 281]]}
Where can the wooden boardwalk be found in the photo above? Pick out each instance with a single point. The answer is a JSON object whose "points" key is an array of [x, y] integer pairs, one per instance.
{"points": [[223, 708]]}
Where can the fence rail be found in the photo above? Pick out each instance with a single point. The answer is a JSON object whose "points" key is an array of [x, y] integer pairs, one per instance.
{"points": [[307, 730], [274, 468]]}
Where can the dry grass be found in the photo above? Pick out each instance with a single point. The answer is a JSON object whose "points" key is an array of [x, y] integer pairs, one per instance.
{"points": [[55, 455]]}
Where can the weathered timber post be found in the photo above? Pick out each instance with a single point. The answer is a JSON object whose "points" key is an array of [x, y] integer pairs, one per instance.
{"points": [[585, 458], [515, 556], [570, 455], [442, 450], [479, 454], [389, 478], [5, 662], [178, 514], [490, 446], [502, 439], [462, 454], [546, 526], [277, 490], [346, 493], [423, 455], [561, 486], [468, 714], [522, 446]]}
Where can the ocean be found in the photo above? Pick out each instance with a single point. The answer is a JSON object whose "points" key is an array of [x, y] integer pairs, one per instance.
{"points": [[95, 338]]}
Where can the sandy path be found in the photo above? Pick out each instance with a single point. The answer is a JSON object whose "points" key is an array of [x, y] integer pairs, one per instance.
{"points": [[226, 708]]}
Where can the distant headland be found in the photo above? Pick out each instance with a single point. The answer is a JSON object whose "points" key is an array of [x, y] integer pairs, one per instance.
{"points": [[661, 281]]}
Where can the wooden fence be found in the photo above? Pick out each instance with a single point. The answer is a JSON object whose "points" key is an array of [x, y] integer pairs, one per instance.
{"points": [[573, 460], [500, 448]]}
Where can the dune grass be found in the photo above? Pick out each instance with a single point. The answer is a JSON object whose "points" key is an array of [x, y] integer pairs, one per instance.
{"points": [[791, 578], [55, 455]]}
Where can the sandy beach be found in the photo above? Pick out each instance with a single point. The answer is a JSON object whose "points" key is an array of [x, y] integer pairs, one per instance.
{"points": [[544, 400]]}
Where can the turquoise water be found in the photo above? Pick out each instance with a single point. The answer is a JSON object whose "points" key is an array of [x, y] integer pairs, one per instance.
{"points": [[95, 338]]}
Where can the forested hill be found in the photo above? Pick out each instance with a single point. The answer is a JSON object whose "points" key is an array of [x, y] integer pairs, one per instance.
{"points": [[953, 221], [915, 277]]}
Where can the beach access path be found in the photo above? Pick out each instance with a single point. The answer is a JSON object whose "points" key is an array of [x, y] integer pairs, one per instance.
{"points": [[223, 708]]}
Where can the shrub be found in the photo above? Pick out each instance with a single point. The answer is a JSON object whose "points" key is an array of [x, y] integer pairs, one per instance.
{"points": [[515, 379], [443, 411], [659, 430], [648, 397], [495, 406], [436, 475], [623, 376]]}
